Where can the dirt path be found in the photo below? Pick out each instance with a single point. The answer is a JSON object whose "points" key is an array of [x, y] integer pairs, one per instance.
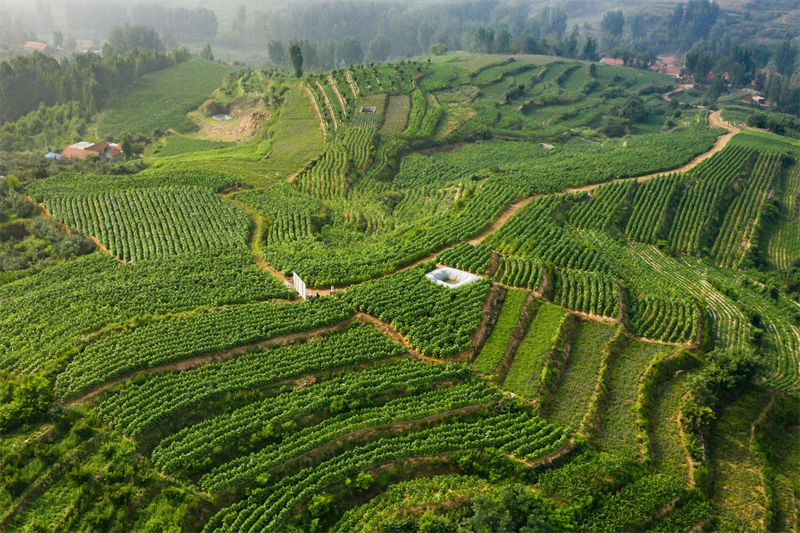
{"points": [[714, 120], [319, 114], [202, 360], [510, 211], [332, 83], [329, 106]]}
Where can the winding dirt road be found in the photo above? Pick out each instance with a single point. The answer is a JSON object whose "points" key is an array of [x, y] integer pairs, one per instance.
{"points": [[714, 120]]}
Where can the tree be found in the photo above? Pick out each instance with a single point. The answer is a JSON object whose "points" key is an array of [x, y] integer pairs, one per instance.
{"points": [[126, 146], [126, 38], [698, 64], [379, 48], [613, 23], [296, 56], [438, 49], [240, 21], [350, 51], [277, 52], [590, 49], [785, 58], [206, 53], [58, 38], [503, 40]]}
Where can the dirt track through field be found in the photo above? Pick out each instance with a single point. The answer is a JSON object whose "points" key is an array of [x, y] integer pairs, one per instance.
{"points": [[714, 120]]}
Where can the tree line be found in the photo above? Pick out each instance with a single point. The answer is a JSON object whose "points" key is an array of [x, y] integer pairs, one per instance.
{"points": [[26, 82]]}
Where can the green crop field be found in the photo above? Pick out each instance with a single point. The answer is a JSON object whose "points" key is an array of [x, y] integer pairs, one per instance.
{"points": [[160, 101], [571, 402], [619, 430], [528, 293], [495, 347]]}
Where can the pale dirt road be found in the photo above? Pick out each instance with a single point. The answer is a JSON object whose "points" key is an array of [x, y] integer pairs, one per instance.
{"points": [[714, 120]]}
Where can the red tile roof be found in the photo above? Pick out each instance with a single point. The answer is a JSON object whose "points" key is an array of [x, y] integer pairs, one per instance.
{"points": [[76, 152], [97, 147], [33, 45]]}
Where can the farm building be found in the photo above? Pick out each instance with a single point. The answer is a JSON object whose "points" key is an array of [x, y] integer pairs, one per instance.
{"points": [[612, 61], [103, 149], [33, 46]]}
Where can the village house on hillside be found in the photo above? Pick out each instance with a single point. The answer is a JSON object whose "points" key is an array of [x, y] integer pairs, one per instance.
{"points": [[33, 46], [82, 150]]}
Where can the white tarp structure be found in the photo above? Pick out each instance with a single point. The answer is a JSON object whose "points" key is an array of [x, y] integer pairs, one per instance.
{"points": [[451, 278], [299, 285]]}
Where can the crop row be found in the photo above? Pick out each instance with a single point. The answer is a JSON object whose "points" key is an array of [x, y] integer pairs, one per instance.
{"points": [[700, 202], [587, 292], [602, 207], [141, 224], [409, 494], [138, 407], [650, 206], [467, 257], [327, 178], [169, 340], [357, 389], [784, 246], [437, 320], [744, 215], [518, 434], [405, 409], [92, 291], [517, 272], [670, 320]]}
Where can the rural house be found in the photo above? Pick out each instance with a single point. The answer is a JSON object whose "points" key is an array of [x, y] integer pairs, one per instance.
{"points": [[33, 46], [82, 150]]}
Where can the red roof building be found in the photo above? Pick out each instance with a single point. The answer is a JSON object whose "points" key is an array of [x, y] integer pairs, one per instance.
{"points": [[612, 61], [103, 149], [33, 46]]}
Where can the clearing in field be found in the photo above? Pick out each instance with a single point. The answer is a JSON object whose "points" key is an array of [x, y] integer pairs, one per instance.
{"points": [[669, 453], [740, 500], [525, 375], [571, 401], [160, 101], [495, 347], [619, 429], [396, 116]]}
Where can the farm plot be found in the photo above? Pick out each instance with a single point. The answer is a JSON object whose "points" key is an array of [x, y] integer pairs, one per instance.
{"points": [[740, 500], [267, 510], [571, 400], [699, 204], [525, 375], [396, 118], [93, 291], [177, 145], [497, 343], [587, 292], [744, 214], [619, 432], [436, 320], [650, 206], [669, 452], [159, 101], [784, 245], [138, 407], [427, 395], [518, 272], [142, 224], [179, 338], [408, 495]]}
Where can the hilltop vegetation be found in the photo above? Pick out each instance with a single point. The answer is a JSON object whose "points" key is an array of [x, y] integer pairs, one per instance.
{"points": [[634, 255]]}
